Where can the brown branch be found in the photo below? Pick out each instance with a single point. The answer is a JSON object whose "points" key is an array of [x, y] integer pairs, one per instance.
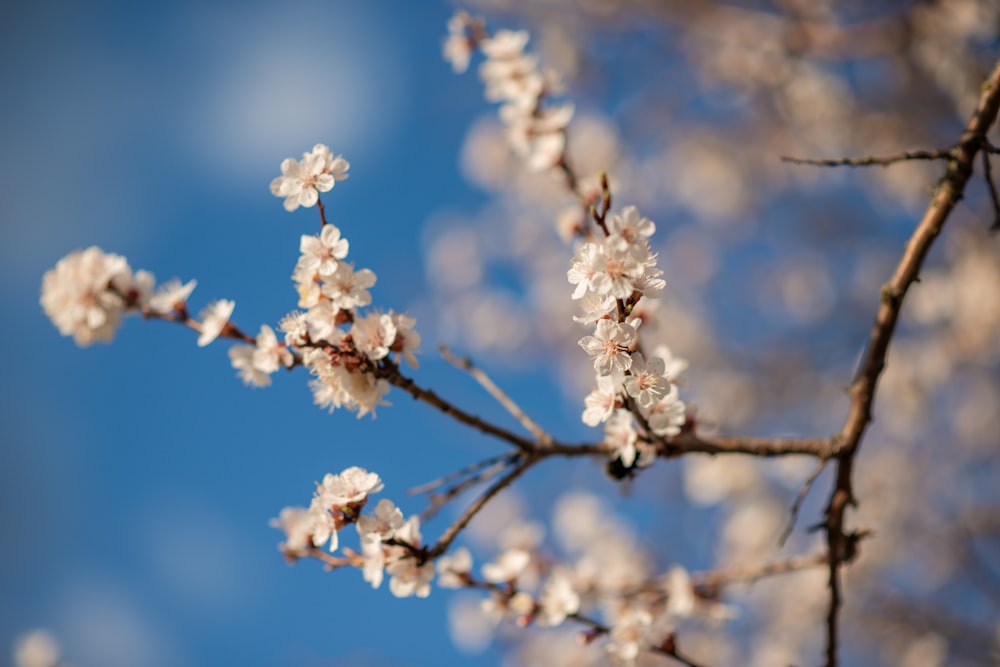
{"points": [[472, 510], [390, 371], [748, 575], [872, 161], [465, 364], [841, 545], [992, 189], [477, 474]]}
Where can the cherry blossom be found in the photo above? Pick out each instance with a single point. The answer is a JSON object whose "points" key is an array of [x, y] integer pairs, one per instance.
{"points": [[214, 319]]}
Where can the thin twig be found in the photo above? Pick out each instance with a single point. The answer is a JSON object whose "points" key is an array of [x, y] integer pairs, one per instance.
{"points": [[870, 160], [462, 472], [842, 545], [793, 513], [497, 393], [449, 535], [390, 371], [748, 575], [439, 500]]}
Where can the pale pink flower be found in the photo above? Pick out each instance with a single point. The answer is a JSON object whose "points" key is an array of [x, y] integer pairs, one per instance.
{"points": [[407, 339], [351, 486], [374, 334], [508, 566], [297, 524], [668, 415], [383, 524], [348, 288], [301, 181], [587, 270], [453, 569], [171, 296], [646, 382], [319, 254], [609, 346], [558, 599], [214, 319], [77, 294], [600, 403]]}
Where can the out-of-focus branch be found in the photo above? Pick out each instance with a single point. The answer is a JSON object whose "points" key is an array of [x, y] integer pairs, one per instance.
{"points": [[842, 545], [872, 161], [712, 581]]}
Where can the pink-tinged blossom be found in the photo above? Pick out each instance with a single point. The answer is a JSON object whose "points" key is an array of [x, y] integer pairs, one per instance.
{"points": [[408, 576], [301, 181], [674, 366], [82, 294], [621, 437], [373, 566], [609, 346], [214, 319], [407, 339], [295, 326], [319, 254], [667, 417], [458, 45], [348, 288], [322, 320], [600, 403], [620, 272], [241, 358], [586, 270], [558, 599], [323, 527], [297, 524], [171, 296], [351, 486], [594, 307], [646, 382], [270, 355], [629, 635], [374, 334], [630, 226], [382, 524], [453, 570], [508, 566]]}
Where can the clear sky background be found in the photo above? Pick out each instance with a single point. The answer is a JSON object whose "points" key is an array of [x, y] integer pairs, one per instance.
{"points": [[137, 479]]}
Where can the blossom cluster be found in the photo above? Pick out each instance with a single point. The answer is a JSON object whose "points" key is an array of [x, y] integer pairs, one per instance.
{"points": [[611, 275], [86, 293], [536, 132], [301, 181], [341, 347], [596, 569], [389, 544]]}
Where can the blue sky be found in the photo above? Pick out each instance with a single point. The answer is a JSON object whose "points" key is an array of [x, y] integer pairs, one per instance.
{"points": [[137, 479]]}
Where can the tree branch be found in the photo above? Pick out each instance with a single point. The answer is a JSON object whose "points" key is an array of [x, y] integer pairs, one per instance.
{"points": [[949, 192]]}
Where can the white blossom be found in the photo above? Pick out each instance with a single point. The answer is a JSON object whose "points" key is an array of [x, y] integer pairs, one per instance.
{"points": [[214, 319], [82, 294], [609, 346]]}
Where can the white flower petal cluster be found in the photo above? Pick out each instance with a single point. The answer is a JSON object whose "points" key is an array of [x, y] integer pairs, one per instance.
{"points": [[88, 291], [611, 277], [301, 181], [341, 347], [389, 543], [460, 42], [512, 77], [256, 363]]}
